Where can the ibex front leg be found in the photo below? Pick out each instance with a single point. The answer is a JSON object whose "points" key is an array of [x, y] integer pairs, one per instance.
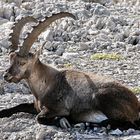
{"points": [[25, 107], [47, 117]]}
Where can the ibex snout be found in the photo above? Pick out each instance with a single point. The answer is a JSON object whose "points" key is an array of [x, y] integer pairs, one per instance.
{"points": [[7, 76]]}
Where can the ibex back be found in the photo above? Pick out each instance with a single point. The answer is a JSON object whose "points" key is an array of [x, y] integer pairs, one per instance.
{"points": [[75, 95]]}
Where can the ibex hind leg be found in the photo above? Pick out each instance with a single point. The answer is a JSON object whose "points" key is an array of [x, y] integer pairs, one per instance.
{"points": [[122, 125], [25, 107], [137, 123]]}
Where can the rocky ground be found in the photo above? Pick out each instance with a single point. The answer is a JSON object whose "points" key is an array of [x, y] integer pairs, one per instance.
{"points": [[105, 40]]}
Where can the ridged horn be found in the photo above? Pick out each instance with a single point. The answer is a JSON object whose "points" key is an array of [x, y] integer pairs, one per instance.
{"points": [[16, 31], [28, 42]]}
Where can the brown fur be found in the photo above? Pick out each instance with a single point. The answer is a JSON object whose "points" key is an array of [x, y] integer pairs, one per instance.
{"points": [[73, 93]]}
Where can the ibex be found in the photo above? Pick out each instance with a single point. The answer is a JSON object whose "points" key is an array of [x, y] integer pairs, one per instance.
{"points": [[71, 94]]}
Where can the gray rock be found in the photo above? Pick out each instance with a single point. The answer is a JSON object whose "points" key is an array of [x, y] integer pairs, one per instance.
{"points": [[100, 24], [48, 35], [8, 11], [4, 43], [1, 10], [111, 25], [101, 10], [119, 37], [3, 20], [120, 45], [27, 5], [60, 51], [129, 131], [69, 55], [1, 90], [134, 40], [116, 132], [83, 46], [83, 14], [80, 126], [0, 50], [51, 46], [103, 2]]}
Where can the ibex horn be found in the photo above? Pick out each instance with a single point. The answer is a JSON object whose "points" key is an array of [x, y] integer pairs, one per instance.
{"points": [[16, 32], [28, 42]]}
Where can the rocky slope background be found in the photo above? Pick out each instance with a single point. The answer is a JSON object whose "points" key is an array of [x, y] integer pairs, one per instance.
{"points": [[105, 40]]}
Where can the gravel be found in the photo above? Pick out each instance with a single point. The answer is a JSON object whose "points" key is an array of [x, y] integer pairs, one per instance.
{"points": [[103, 26]]}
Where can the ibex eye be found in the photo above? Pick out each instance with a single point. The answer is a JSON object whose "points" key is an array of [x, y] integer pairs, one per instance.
{"points": [[22, 63]]}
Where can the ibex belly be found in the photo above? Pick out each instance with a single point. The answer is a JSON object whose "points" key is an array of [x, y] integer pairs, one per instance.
{"points": [[95, 117]]}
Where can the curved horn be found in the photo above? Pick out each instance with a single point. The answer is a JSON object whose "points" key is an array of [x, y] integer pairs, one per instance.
{"points": [[39, 29], [16, 31]]}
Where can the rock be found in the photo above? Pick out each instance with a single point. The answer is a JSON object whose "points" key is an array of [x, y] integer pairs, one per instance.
{"points": [[37, 13], [42, 134], [134, 40], [48, 35], [1, 10], [83, 14], [119, 37], [80, 126], [103, 2], [93, 32], [27, 5], [116, 132], [1, 90], [0, 50], [17, 2], [60, 51], [111, 25], [4, 43], [136, 33], [3, 20], [100, 24], [129, 131], [63, 25], [69, 55], [101, 10], [8, 11], [83, 46]]}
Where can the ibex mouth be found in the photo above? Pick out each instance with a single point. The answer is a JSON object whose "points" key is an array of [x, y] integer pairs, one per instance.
{"points": [[8, 79], [14, 79]]}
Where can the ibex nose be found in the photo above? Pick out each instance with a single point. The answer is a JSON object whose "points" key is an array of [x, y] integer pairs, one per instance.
{"points": [[5, 76]]}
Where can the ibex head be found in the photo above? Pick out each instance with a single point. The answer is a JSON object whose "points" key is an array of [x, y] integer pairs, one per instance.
{"points": [[22, 61], [19, 67]]}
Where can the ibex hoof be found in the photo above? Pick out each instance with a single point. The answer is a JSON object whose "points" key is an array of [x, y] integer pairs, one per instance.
{"points": [[41, 119], [64, 123]]}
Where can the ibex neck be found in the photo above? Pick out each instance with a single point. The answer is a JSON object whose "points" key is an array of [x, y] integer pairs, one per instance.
{"points": [[41, 70], [41, 77]]}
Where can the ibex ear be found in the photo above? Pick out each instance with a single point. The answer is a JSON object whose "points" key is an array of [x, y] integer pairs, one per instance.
{"points": [[12, 55], [39, 52]]}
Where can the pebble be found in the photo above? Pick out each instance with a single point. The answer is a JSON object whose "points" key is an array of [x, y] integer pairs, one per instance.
{"points": [[116, 132], [3, 20], [101, 10], [69, 55], [83, 46]]}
